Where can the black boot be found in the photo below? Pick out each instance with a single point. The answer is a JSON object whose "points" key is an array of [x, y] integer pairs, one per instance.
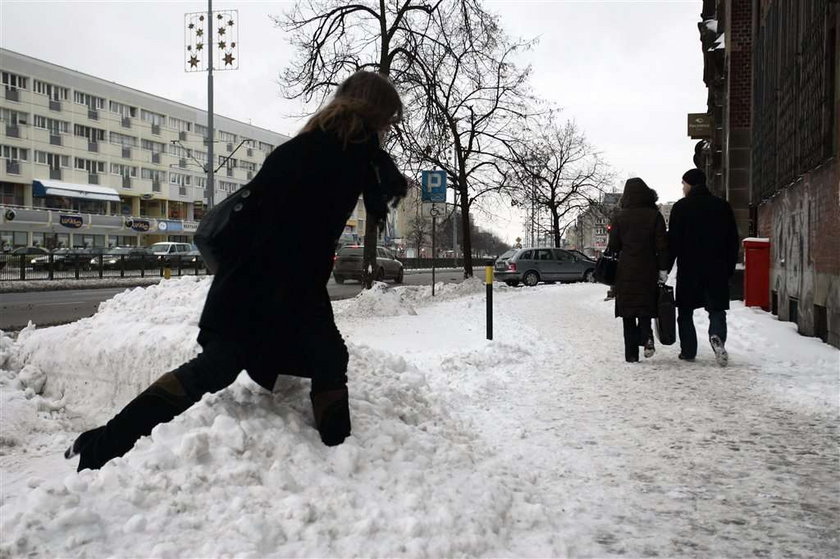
{"points": [[331, 409], [159, 403]]}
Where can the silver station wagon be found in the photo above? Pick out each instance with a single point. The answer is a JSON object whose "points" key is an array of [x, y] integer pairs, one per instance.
{"points": [[533, 265]]}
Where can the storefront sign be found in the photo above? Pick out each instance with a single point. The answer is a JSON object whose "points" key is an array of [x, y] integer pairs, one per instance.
{"points": [[699, 126], [139, 225], [190, 226], [170, 226], [71, 221]]}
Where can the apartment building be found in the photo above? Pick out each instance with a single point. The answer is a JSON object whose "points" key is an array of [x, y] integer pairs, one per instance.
{"points": [[87, 162]]}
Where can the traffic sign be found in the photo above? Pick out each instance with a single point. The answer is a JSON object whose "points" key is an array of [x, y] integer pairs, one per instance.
{"points": [[433, 186]]}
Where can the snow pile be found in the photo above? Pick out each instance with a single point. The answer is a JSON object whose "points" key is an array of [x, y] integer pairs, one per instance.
{"points": [[541, 442]]}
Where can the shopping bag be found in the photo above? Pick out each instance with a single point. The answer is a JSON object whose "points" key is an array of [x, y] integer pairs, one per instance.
{"points": [[666, 317], [605, 268]]}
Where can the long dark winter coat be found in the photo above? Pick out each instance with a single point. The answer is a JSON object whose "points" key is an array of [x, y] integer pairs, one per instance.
{"points": [[272, 302], [638, 233], [703, 239]]}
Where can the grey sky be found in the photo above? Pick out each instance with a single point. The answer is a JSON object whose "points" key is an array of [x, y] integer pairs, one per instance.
{"points": [[627, 72]]}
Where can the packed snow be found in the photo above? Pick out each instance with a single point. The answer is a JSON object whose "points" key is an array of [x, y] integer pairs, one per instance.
{"points": [[541, 442]]}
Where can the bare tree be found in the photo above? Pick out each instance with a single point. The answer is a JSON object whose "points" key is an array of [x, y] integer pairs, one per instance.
{"points": [[468, 96], [560, 173], [418, 231], [335, 38]]}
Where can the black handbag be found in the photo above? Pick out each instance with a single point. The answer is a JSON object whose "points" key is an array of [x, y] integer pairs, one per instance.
{"points": [[666, 316], [605, 268], [227, 227]]}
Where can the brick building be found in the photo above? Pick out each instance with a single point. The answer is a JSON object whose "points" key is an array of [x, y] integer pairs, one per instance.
{"points": [[773, 150]]}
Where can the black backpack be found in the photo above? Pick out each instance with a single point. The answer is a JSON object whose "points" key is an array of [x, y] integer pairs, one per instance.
{"points": [[228, 228]]}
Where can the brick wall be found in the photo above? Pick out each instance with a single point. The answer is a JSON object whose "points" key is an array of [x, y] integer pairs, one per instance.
{"points": [[739, 38]]}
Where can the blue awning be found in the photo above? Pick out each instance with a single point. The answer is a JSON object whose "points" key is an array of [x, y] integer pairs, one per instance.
{"points": [[42, 187]]}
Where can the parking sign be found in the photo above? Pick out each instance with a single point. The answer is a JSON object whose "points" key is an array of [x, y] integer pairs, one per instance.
{"points": [[433, 186]]}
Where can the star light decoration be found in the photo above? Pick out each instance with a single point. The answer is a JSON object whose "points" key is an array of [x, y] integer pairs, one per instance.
{"points": [[225, 39]]}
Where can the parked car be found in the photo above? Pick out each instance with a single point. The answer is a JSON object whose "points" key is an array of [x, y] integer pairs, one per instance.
{"points": [[125, 258], [174, 254], [65, 259], [13, 258], [533, 265], [348, 265]]}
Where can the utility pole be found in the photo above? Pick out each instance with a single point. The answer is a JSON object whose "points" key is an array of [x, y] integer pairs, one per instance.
{"points": [[200, 56]]}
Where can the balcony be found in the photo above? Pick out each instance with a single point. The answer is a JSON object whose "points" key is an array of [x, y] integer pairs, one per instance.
{"points": [[93, 146], [126, 182], [155, 157], [55, 105], [12, 131], [126, 153], [155, 186], [126, 122], [12, 166], [156, 129], [182, 135], [55, 140], [93, 114], [12, 94], [182, 163], [93, 178], [229, 172], [250, 152], [55, 174], [182, 191], [230, 148]]}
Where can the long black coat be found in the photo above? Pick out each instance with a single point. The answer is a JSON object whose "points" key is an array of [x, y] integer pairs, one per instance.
{"points": [[703, 239], [273, 300], [638, 233]]}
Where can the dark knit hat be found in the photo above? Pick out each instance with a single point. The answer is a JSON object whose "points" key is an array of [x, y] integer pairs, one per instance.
{"points": [[694, 177]]}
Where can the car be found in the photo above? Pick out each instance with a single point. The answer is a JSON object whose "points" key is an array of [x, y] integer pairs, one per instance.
{"points": [[65, 259], [23, 254], [348, 265], [176, 254], [124, 258], [533, 265]]}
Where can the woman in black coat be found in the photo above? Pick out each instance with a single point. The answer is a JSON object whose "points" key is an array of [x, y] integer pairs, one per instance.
{"points": [[268, 310], [638, 234]]}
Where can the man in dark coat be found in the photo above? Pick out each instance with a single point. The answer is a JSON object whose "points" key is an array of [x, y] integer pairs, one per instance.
{"points": [[268, 310], [638, 235], [703, 240]]}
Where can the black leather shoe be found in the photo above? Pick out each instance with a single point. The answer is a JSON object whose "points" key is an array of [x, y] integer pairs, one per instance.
{"points": [[684, 358]]}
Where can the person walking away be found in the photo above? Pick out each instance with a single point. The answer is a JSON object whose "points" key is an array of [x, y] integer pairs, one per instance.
{"points": [[638, 236], [257, 316], [703, 240]]}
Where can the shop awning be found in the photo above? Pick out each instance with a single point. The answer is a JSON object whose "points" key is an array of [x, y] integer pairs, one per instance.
{"points": [[42, 187]]}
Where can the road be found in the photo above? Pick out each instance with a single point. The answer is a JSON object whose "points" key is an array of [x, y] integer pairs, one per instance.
{"points": [[47, 308]]}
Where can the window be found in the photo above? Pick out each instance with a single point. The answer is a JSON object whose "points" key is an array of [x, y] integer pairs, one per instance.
{"points": [[248, 166], [226, 137], [179, 125], [13, 118], [123, 170], [266, 147], [151, 174], [9, 197], [13, 81], [543, 254], [92, 134], [228, 162], [54, 160], [153, 118], [201, 156], [51, 124], [178, 151], [564, 256], [249, 143], [90, 165], [179, 178], [154, 147], [200, 182], [123, 140], [90, 101], [54, 92], [228, 187], [201, 130], [14, 153], [126, 111]]}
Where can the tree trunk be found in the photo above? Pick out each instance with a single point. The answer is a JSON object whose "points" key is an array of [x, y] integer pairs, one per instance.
{"points": [[467, 240], [555, 223]]}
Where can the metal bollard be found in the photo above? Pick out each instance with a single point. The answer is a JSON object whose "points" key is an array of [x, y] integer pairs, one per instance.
{"points": [[488, 281]]}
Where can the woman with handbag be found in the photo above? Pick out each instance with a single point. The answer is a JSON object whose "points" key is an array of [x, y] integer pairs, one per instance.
{"points": [[257, 315], [638, 236]]}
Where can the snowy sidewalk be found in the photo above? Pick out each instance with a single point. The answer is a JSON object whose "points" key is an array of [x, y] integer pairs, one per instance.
{"points": [[542, 442]]}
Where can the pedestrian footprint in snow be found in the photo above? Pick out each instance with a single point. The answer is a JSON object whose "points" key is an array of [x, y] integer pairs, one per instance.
{"points": [[258, 316], [638, 236], [703, 239]]}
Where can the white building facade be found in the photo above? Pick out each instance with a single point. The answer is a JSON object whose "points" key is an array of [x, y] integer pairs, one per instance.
{"points": [[87, 162]]}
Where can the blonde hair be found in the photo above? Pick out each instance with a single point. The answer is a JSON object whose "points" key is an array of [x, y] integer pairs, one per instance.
{"points": [[363, 104]]}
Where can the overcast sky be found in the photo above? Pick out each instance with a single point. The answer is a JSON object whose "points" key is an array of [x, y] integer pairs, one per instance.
{"points": [[627, 71]]}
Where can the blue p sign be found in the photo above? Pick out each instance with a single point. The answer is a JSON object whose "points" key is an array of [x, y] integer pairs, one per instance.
{"points": [[433, 186]]}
